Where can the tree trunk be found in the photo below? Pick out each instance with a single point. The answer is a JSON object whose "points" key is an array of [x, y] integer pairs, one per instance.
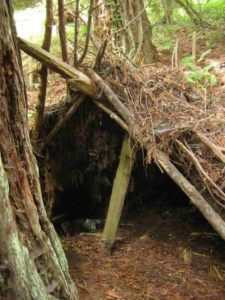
{"points": [[44, 71], [102, 20], [62, 30], [138, 32], [32, 261], [194, 15], [168, 6], [132, 31]]}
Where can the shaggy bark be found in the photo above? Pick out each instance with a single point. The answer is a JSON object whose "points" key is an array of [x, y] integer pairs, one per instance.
{"points": [[125, 24], [32, 261], [102, 20]]}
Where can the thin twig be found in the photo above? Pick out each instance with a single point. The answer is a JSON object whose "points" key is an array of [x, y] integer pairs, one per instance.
{"points": [[214, 148], [76, 32], [112, 115], [87, 34], [62, 122]]}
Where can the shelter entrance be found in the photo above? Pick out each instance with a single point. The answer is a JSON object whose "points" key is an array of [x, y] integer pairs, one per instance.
{"points": [[81, 166]]}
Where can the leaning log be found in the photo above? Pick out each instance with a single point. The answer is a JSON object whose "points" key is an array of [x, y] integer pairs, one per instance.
{"points": [[80, 81], [119, 190], [195, 197]]}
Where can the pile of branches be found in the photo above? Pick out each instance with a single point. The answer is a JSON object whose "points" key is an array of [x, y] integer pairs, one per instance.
{"points": [[175, 118]]}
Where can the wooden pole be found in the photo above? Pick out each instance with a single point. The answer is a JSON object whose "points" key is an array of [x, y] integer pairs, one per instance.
{"points": [[119, 190], [78, 80]]}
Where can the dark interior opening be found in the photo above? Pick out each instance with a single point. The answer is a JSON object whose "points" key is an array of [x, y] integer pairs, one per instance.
{"points": [[83, 160], [149, 190]]}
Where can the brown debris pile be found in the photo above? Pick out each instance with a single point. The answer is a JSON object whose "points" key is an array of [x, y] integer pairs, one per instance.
{"points": [[178, 119]]}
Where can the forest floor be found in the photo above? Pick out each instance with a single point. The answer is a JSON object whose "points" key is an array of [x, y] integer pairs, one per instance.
{"points": [[163, 253]]}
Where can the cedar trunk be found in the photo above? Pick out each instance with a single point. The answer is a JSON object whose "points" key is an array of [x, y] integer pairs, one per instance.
{"points": [[32, 261]]}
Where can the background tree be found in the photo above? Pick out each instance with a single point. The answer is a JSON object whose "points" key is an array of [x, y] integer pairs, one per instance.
{"points": [[194, 15], [62, 30], [32, 261], [138, 31], [125, 25], [78, 61], [44, 71], [168, 6]]}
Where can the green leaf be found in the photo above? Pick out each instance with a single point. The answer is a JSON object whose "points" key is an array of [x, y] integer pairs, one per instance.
{"points": [[189, 62]]}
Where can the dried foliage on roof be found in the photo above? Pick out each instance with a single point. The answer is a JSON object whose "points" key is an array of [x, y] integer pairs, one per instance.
{"points": [[178, 119]]}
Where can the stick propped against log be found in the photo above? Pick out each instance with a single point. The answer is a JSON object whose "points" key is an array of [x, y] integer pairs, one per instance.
{"points": [[119, 191]]}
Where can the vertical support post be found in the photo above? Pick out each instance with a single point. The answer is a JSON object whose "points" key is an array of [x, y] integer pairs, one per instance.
{"points": [[119, 190]]}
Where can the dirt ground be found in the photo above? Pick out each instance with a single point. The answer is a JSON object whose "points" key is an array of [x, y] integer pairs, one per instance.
{"points": [[159, 254]]}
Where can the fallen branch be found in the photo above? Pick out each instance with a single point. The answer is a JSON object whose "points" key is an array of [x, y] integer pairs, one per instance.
{"points": [[214, 148], [112, 115], [119, 190], [106, 91], [61, 123], [80, 81]]}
